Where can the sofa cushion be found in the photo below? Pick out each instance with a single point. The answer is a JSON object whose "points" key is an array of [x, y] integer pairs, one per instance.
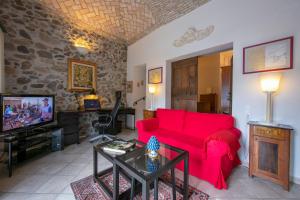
{"points": [[172, 120], [194, 146], [201, 125]]}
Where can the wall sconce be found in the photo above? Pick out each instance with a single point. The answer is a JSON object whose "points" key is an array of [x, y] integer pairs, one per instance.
{"points": [[270, 84], [152, 91], [82, 46]]}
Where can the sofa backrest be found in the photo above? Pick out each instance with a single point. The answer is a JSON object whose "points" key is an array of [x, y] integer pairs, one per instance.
{"points": [[172, 120], [201, 125]]}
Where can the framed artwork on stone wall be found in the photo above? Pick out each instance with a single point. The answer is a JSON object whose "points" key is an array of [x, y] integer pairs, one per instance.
{"points": [[268, 56], [155, 75], [81, 75]]}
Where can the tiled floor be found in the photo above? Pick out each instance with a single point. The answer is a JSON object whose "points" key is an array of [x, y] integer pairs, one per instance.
{"points": [[49, 178]]}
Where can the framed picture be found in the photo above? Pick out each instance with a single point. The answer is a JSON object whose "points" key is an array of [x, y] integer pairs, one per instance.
{"points": [[82, 75], [129, 86], [268, 56], [155, 75]]}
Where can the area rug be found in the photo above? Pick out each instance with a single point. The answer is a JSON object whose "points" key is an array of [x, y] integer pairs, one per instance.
{"points": [[86, 189]]}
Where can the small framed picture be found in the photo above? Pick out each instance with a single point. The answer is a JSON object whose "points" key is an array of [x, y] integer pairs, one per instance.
{"points": [[155, 75], [268, 56], [81, 75], [129, 86]]}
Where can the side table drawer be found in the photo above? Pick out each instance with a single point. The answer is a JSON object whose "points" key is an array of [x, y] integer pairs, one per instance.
{"points": [[149, 114], [269, 132]]}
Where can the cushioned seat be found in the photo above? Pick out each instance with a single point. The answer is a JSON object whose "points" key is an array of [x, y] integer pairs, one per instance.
{"points": [[211, 140]]}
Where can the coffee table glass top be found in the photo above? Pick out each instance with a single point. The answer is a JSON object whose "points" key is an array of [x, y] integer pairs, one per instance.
{"points": [[139, 159], [99, 147]]}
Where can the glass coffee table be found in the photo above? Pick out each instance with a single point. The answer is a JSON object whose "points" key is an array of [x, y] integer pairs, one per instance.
{"points": [[98, 149], [137, 167]]}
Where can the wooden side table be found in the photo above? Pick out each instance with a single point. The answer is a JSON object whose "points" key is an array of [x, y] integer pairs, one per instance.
{"points": [[149, 114], [269, 152]]}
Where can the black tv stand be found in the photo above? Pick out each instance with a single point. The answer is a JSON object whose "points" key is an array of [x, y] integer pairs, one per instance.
{"points": [[9, 140], [27, 143]]}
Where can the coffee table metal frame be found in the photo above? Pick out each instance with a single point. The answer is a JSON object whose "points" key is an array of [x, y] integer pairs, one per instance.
{"points": [[121, 165], [97, 174], [133, 175]]}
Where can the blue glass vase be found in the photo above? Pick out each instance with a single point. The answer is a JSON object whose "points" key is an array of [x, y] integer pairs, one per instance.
{"points": [[152, 165], [152, 147]]}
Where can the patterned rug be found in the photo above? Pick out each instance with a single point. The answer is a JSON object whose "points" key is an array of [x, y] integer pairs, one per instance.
{"points": [[86, 189]]}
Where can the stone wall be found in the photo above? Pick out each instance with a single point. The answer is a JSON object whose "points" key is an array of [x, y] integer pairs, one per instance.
{"points": [[38, 45]]}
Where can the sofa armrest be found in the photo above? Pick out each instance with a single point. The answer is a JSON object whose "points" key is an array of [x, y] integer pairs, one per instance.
{"points": [[223, 142], [147, 124]]}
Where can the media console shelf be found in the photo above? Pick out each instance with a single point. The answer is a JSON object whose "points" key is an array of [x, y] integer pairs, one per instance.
{"points": [[29, 142]]}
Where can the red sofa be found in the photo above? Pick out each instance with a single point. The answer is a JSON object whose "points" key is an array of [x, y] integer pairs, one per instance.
{"points": [[211, 140]]}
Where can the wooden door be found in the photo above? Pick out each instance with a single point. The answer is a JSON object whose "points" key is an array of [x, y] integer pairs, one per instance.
{"points": [[226, 89], [185, 84]]}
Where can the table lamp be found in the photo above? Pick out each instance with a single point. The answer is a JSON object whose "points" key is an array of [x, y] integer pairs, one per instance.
{"points": [[152, 92], [269, 85]]}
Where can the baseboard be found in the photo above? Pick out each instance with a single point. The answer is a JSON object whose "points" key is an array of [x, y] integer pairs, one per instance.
{"points": [[293, 179], [245, 164]]}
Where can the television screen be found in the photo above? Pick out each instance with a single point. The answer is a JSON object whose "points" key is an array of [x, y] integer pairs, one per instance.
{"points": [[23, 111]]}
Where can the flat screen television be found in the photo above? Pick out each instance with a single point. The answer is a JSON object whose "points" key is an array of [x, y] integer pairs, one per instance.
{"points": [[25, 111]]}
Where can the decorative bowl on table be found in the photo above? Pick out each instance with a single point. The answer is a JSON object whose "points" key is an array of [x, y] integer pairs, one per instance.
{"points": [[152, 147]]}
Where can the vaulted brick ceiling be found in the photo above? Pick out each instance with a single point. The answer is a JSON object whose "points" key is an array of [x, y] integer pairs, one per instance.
{"points": [[126, 20]]}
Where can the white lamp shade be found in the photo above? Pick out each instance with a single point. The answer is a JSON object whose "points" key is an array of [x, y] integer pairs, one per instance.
{"points": [[82, 50], [82, 45], [270, 83]]}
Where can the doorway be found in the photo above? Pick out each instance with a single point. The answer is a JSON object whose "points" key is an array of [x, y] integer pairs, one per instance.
{"points": [[139, 90], [203, 83]]}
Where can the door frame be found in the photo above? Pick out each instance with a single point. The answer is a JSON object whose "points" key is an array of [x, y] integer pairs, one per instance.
{"points": [[215, 49]]}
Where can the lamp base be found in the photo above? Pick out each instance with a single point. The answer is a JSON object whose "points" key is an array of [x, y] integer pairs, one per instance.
{"points": [[269, 108], [268, 123]]}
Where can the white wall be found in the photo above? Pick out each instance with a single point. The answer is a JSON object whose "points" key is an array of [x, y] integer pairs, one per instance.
{"points": [[1, 61], [138, 75], [139, 90], [243, 23]]}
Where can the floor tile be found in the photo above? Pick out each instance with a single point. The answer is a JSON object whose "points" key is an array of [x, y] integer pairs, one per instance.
{"points": [[72, 169], [55, 184], [68, 189], [51, 168], [292, 193], [8, 183], [29, 183], [87, 171], [14, 196], [42, 197], [65, 197]]}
